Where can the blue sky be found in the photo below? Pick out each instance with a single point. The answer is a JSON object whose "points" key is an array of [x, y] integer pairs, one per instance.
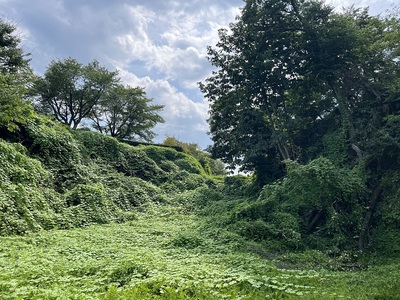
{"points": [[159, 45]]}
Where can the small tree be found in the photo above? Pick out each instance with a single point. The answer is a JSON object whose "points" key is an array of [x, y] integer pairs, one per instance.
{"points": [[69, 90], [12, 57], [124, 112], [14, 76]]}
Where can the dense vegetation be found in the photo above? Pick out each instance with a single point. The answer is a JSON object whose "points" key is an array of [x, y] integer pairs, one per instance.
{"points": [[308, 99], [86, 216]]}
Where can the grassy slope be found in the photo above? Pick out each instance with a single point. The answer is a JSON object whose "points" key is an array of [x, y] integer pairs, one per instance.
{"points": [[163, 255]]}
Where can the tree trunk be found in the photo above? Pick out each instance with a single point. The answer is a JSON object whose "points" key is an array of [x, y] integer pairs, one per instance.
{"points": [[314, 221], [373, 201], [347, 124]]}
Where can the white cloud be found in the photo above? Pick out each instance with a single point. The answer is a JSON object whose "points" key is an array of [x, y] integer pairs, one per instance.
{"points": [[184, 118], [178, 52], [159, 45], [375, 6]]}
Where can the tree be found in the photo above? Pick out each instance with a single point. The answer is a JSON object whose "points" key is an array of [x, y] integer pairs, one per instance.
{"points": [[70, 90], [296, 80], [14, 111], [14, 77], [252, 113], [124, 112], [12, 57]]}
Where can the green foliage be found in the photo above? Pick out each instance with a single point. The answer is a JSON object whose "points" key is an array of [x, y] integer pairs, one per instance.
{"points": [[96, 146], [315, 206], [13, 110], [184, 161], [385, 232], [126, 159], [335, 148], [52, 143], [69, 90], [23, 192], [164, 157], [123, 274], [239, 185], [253, 114], [19, 168], [320, 183], [85, 177], [139, 260], [188, 239], [130, 193], [183, 180], [183, 233], [90, 204], [278, 95], [211, 166], [12, 57], [125, 113]]}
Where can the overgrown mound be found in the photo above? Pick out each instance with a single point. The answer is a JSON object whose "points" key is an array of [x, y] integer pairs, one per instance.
{"points": [[52, 177], [317, 206]]}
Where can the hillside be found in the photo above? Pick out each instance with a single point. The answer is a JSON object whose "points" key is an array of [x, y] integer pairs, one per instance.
{"points": [[53, 177]]}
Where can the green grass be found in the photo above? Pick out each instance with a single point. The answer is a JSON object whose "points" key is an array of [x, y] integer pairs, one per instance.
{"points": [[163, 255]]}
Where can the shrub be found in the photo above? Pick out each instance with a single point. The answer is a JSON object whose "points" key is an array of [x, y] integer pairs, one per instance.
{"points": [[184, 161], [385, 233]]}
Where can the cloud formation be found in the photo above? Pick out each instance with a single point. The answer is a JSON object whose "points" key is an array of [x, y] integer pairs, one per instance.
{"points": [[160, 45]]}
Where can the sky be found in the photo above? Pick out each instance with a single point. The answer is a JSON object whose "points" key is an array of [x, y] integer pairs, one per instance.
{"points": [[158, 45]]}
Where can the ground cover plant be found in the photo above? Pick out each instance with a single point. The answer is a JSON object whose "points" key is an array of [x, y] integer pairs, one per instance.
{"points": [[162, 254]]}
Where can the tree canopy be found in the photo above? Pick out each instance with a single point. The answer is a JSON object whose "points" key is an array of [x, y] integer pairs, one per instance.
{"points": [[293, 75], [12, 57], [124, 112], [14, 74], [69, 90]]}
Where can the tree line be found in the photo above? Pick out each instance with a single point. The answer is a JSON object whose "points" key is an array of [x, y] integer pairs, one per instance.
{"points": [[72, 93]]}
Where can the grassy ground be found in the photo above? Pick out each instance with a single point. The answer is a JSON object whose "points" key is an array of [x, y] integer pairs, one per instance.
{"points": [[162, 255]]}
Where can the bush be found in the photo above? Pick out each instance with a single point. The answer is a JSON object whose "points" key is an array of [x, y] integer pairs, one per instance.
{"points": [[184, 161], [129, 193], [385, 233]]}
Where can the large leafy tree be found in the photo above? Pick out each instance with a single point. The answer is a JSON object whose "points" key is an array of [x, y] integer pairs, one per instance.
{"points": [[290, 72], [296, 80], [69, 90], [125, 112], [259, 61]]}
